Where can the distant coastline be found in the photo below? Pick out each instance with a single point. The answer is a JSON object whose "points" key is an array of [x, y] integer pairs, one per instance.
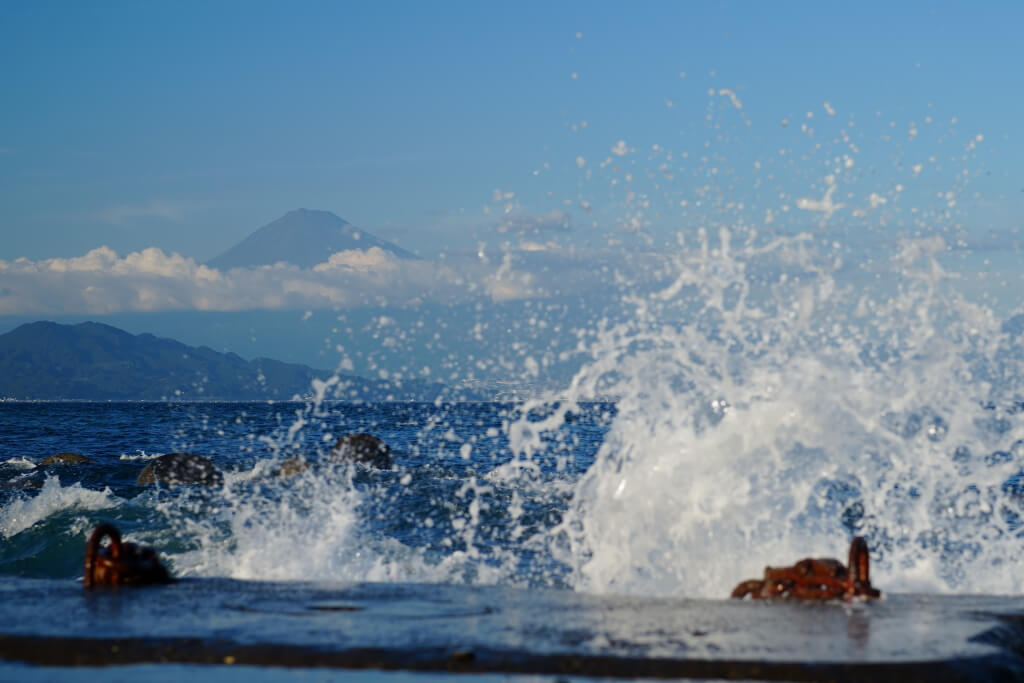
{"points": [[47, 361]]}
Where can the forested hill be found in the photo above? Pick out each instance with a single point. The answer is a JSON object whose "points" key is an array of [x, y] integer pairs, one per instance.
{"points": [[92, 361]]}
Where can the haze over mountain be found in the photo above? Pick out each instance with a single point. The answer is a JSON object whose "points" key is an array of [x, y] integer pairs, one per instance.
{"points": [[92, 361], [305, 238]]}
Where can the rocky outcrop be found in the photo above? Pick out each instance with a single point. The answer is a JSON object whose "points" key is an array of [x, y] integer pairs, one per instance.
{"points": [[65, 459], [362, 448], [180, 468], [291, 467]]}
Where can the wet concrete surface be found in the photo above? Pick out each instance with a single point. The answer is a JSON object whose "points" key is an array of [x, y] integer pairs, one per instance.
{"points": [[213, 624]]}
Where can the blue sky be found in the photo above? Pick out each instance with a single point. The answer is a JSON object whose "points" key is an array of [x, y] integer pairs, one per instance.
{"points": [[185, 126]]}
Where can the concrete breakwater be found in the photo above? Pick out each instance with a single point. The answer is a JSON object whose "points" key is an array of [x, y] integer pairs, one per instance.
{"points": [[480, 629]]}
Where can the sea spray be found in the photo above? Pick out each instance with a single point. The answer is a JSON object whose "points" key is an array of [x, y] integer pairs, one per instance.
{"points": [[776, 390], [447, 512], [19, 514], [763, 419], [768, 406]]}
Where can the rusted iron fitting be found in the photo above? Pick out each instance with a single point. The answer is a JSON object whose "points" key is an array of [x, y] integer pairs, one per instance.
{"points": [[120, 564], [815, 579]]}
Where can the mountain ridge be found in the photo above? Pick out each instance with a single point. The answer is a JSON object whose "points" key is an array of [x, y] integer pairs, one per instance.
{"points": [[302, 237], [45, 360]]}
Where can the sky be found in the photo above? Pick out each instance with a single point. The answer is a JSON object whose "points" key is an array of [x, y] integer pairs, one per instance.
{"points": [[531, 140]]}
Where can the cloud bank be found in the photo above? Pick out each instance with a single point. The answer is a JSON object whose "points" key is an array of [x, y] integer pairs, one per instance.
{"points": [[104, 282]]}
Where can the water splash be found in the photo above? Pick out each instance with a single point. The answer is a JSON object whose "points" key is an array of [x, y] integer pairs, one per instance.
{"points": [[767, 411], [775, 393], [769, 403], [19, 514]]}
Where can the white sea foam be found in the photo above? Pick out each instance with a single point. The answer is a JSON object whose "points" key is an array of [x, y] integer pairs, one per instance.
{"points": [[21, 513], [305, 528], [289, 538], [754, 415], [19, 462], [140, 455]]}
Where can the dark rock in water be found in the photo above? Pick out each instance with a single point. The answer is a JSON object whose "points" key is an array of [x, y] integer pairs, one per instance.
{"points": [[292, 467], [65, 459], [180, 468], [364, 448]]}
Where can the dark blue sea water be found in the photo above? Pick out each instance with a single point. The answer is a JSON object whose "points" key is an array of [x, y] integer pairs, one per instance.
{"points": [[453, 507]]}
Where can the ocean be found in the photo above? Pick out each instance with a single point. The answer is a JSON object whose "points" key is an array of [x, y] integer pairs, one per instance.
{"points": [[456, 507], [766, 401]]}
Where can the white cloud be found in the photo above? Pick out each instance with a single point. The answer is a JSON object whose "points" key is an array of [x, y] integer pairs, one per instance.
{"points": [[527, 245], [104, 282], [370, 259]]}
